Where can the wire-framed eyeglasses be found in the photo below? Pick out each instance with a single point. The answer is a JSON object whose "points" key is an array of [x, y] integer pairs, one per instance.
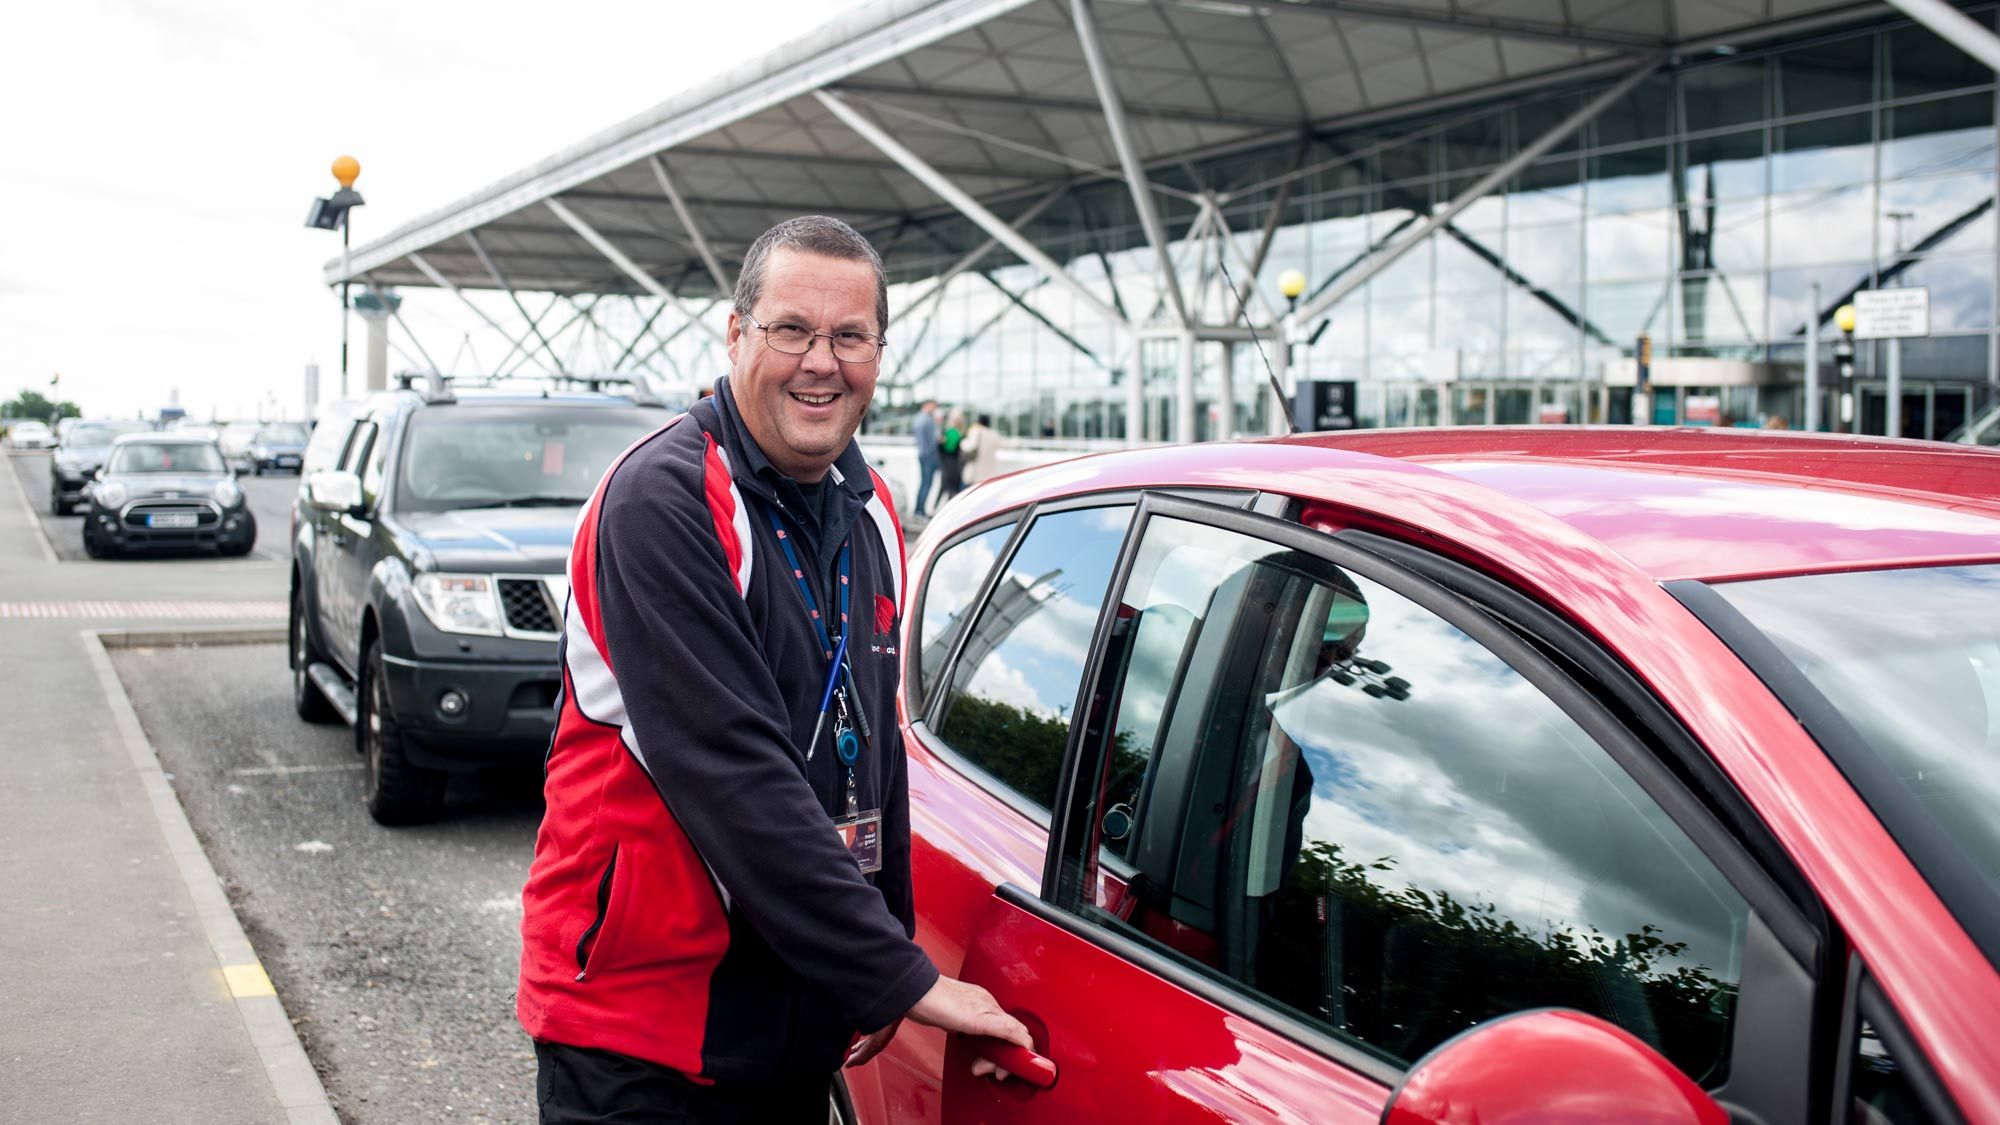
{"points": [[796, 339]]}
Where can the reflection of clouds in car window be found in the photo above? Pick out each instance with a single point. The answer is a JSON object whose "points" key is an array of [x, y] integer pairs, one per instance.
{"points": [[1044, 607], [1479, 786], [955, 578]]}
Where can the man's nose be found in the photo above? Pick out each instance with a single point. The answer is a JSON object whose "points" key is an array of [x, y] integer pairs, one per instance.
{"points": [[820, 360]]}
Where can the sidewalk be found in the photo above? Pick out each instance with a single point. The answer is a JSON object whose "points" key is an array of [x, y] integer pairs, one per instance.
{"points": [[130, 990]]}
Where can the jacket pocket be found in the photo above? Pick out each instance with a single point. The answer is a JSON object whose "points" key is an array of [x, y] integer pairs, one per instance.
{"points": [[596, 949]]}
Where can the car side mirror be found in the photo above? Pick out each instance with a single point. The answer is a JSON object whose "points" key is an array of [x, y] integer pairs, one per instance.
{"points": [[1549, 1064], [332, 490]]}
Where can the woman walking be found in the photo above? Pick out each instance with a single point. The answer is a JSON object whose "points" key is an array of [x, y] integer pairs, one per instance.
{"points": [[951, 464], [979, 451]]}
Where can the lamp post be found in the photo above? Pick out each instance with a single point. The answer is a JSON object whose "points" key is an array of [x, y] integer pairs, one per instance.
{"points": [[1843, 358], [1291, 283], [327, 214]]}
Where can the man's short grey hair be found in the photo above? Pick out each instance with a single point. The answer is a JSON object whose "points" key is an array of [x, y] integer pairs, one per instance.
{"points": [[810, 234]]}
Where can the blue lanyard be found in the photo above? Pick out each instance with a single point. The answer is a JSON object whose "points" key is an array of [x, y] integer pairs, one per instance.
{"points": [[826, 643]]}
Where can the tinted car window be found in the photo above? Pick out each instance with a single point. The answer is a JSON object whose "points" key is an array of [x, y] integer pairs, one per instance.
{"points": [[468, 456], [166, 457], [283, 435], [85, 435], [1015, 683], [328, 439], [1329, 796], [951, 583]]}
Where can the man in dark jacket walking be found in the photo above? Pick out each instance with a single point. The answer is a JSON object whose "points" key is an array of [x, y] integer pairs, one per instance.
{"points": [[719, 902]]}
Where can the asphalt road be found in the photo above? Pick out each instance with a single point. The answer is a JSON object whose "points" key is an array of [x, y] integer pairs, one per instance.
{"points": [[394, 950], [270, 501]]}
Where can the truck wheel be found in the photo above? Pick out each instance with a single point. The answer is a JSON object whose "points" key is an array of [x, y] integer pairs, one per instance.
{"points": [[306, 698], [396, 791]]}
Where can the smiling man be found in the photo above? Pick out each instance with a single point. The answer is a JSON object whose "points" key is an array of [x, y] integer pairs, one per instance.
{"points": [[718, 913]]}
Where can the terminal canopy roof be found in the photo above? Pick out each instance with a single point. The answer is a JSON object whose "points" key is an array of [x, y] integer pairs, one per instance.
{"points": [[998, 97]]}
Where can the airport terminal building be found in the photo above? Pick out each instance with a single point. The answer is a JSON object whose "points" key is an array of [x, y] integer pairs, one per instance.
{"points": [[1087, 207]]}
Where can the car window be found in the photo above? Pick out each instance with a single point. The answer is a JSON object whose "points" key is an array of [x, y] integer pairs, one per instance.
{"points": [[1328, 796], [493, 456], [950, 584], [1880, 1092], [358, 446], [1014, 685], [166, 457], [329, 438], [376, 457]]}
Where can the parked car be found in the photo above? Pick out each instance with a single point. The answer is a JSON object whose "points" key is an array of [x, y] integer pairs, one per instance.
{"points": [[80, 455], [1654, 775], [27, 433], [235, 438], [164, 491], [276, 448], [428, 576]]}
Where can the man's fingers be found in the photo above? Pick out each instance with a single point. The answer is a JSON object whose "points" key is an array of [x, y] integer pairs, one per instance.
{"points": [[1000, 1025]]}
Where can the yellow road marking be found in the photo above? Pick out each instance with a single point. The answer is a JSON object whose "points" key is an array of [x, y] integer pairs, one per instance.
{"points": [[247, 980]]}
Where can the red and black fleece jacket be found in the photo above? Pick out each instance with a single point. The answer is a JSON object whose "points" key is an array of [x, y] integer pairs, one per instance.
{"points": [[690, 901]]}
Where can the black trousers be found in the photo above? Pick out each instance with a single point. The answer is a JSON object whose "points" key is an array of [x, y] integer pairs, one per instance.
{"points": [[582, 1084]]}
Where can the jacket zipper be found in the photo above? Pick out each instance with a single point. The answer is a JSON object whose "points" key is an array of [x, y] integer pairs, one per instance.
{"points": [[603, 907]]}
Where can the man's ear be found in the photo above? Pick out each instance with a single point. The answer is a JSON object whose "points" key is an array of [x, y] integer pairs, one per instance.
{"points": [[732, 337]]}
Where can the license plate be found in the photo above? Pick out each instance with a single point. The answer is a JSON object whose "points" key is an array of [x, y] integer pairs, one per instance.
{"points": [[172, 519]]}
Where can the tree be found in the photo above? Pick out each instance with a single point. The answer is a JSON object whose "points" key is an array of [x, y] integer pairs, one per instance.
{"points": [[33, 404]]}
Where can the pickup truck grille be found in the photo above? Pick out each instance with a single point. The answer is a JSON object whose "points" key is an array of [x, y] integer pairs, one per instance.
{"points": [[526, 604]]}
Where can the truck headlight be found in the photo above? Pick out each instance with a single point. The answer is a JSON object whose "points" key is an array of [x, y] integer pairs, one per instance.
{"points": [[459, 603]]}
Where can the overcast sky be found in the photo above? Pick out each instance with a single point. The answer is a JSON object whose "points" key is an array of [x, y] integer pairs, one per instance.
{"points": [[157, 161]]}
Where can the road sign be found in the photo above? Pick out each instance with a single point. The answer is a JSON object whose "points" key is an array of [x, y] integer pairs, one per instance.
{"points": [[1881, 314]]}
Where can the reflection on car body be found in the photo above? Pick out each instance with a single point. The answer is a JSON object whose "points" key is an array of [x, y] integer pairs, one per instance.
{"points": [[1322, 777]]}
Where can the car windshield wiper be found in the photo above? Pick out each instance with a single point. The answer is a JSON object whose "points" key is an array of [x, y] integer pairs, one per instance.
{"points": [[534, 502]]}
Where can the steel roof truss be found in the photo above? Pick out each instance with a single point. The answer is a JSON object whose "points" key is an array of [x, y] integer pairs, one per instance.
{"points": [[401, 323], [1499, 175], [1128, 156], [964, 203], [443, 282], [715, 270], [534, 323], [647, 281]]}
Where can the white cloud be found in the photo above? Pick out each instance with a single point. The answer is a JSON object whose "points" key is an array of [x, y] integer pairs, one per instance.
{"points": [[158, 160]]}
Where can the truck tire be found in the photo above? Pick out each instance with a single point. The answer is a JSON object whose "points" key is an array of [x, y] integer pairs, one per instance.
{"points": [[396, 791]]}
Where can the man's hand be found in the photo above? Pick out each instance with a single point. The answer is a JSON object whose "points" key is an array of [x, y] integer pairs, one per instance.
{"points": [[970, 1010], [868, 1046]]}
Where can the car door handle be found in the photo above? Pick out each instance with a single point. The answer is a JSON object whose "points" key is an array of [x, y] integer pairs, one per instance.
{"points": [[1019, 1062]]}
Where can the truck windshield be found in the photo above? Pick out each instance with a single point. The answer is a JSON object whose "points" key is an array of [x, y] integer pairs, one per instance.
{"points": [[465, 456]]}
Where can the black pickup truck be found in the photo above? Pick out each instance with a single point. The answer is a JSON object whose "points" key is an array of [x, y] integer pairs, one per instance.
{"points": [[430, 536]]}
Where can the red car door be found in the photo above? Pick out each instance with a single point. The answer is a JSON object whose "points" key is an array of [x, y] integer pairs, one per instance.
{"points": [[1129, 1045]]}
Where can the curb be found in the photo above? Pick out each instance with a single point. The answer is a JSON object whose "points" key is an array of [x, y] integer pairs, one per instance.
{"points": [[34, 517], [294, 1081], [212, 635]]}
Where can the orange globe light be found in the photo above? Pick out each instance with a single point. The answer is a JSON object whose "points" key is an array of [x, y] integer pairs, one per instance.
{"points": [[1291, 283], [346, 169], [1844, 318]]}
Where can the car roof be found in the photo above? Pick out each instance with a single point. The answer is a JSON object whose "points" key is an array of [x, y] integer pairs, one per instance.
{"points": [[1674, 503]]}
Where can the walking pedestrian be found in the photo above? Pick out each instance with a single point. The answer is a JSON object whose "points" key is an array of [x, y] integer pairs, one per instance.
{"points": [[718, 913], [951, 463], [979, 451]]}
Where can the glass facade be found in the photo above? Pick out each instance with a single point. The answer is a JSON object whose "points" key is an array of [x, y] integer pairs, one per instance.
{"points": [[1699, 211]]}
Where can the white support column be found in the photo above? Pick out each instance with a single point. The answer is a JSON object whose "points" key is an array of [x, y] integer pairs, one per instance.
{"points": [[631, 269], [1491, 180], [1277, 420], [965, 205], [1811, 420], [1184, 390], [722, 283], [1225, 419], [1128, 154], [442, 282], [1955, 27], [1135, 390]]}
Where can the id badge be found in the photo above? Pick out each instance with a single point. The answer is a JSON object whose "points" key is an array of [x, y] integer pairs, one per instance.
{"points": [[862, 833]]}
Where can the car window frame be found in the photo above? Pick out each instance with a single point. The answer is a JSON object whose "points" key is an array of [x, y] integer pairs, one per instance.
{"points": [[923, 724], [1783, 946]]}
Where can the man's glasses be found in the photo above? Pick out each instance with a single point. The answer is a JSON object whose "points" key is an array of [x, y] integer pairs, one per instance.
{"points": [[797, 339]]}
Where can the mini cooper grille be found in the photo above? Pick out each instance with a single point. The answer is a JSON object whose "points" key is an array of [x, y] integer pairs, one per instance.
{"points": [[204, 516], [526, 605]]}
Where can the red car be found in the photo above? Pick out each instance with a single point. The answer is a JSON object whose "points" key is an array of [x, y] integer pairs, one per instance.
{"points": [[1510, 775]]}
